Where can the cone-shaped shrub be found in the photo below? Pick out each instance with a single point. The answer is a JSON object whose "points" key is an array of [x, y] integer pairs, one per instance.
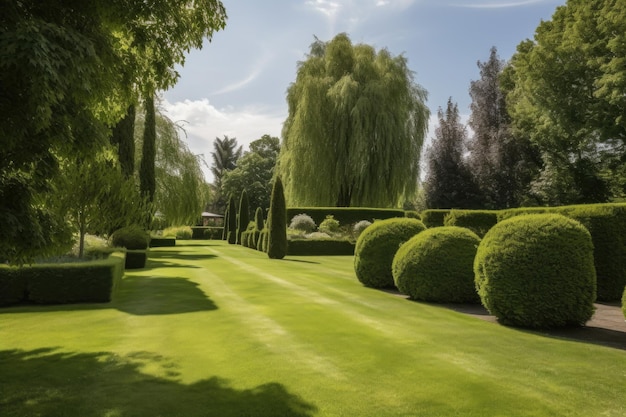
{"points": [[537, 271], [244, 215], [232, 221], [258, 219], [277, 222], [225, 228], [437, 265], [376, 247]]}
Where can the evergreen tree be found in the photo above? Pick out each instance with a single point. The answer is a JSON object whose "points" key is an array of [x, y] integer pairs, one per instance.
{"points": [[225, 155], [277, 222], [232, 221], [449, 182], [123, 136], [147, 182], [244, 215]]}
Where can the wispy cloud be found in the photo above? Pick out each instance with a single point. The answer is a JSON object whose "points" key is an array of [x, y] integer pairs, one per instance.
{"points": [[499, 4], [257, 69]]}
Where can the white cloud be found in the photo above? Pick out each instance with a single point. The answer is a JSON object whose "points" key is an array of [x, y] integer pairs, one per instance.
{"points": [[203, 122]]}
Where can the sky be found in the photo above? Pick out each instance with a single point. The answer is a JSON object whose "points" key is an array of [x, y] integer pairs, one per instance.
{"points": [[236, 84]]}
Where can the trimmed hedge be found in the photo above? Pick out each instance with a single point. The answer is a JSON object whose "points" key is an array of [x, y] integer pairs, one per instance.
{"points": [[162, 242], [94, 281], [345, 215], [537, 271], [320, 247], [437, 265], [607, 225], [376, 247], [434, 217], [136, 259], [277, 222], [478, 221], [130, 237], [207, 232], [243, 216]]}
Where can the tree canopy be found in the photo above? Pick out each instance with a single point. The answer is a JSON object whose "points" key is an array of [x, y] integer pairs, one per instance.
{"points": [[225, 155], [355, 128]]}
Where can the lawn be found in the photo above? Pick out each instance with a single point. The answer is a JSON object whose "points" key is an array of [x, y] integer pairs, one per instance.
{"points": [[211, 329]]}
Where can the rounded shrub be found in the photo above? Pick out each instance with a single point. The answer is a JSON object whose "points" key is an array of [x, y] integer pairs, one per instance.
{"points": [[376, 247], [303, 222], [437, 265], [130, 237], [537, 271], [360, 226], [329, 225]]}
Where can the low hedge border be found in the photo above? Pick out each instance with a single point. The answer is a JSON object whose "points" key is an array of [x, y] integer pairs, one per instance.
{"points": [[320, 247], [434, 217], [344, 215], [478, 221], [162, 242], [207, 232], [136, 259], [94, 281]]}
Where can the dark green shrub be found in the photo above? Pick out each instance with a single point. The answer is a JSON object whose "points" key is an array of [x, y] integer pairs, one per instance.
{"points": [[302, 222], [607, 225], [243, 218], [320, 247], [478, 221], [345, 215], [412, 214], [12, 285], [434, 217], [277, 222], [437, 265], [232, 221], [131, 237], [262, 242], [377, 246], [161, 242], [206, 232], [537, 271], [136, 259], [226, 222], [258, 219]]}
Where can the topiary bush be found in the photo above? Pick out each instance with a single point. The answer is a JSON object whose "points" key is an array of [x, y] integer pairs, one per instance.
{"points": [[376, 247], [231, 235], [277, 222], [130, 237], [330, 225], [358, 227], [243, 218], [537, 271], [303, 223], [437, 265]]}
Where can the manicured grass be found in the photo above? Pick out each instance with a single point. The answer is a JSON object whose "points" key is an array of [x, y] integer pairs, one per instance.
{"points": [[211, 329]]}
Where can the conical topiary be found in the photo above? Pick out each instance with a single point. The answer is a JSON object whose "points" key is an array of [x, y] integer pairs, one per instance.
{"points": [[277, 222], [232, 221], [244, 216]]}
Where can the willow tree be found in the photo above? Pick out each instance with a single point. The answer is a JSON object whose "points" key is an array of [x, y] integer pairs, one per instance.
{"points": [[355, 128]]}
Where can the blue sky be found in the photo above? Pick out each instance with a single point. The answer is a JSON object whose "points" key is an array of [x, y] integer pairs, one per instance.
{"points": [[236, 84]]}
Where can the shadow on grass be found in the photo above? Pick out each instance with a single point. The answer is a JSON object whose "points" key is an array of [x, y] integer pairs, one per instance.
{"points": [[300, 261], [46, 382]]}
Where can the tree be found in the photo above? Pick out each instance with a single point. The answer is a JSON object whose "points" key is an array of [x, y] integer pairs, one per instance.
{"points": [[244, 215], [69, 70], [277, 222], [449, 182], [123, 137], [254, 172], [225, 156], [232, 221], [566, 91], [503, 165], [147, 180], [355, 128]]}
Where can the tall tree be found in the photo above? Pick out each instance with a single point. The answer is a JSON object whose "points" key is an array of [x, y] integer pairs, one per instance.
{"points": [[147, 180], [277, 222], [225, 155], [232, 220], [355, 128], [449, 182], [243, 217], [123, 137], [503, 165], [69, 70], [567, 94], [254, 172]]}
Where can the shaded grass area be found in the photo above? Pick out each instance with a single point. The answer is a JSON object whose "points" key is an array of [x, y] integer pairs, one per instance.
{"points": [[211, 329]]}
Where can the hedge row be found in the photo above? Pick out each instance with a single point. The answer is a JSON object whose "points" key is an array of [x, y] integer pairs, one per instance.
{"points": [[345, 215], [162, 242], [478, 221], [320, 247], [94, 281], [206, 232]]}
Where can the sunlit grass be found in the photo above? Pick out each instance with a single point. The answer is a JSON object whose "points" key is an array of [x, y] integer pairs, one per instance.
{"points": [[211, 329]]}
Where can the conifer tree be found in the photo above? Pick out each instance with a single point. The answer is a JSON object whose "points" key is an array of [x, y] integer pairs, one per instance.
{"points": [[277, 222], [244, 215]]}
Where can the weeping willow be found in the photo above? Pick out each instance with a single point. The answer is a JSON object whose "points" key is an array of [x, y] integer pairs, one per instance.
{"points": [[355, 128]]}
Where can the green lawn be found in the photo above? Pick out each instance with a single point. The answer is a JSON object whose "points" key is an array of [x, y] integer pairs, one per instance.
{"points": [[211, 329]]}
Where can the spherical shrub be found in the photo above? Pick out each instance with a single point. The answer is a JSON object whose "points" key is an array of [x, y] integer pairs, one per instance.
{"points": [[537, 271], [437, 265], [360, 226], [130, 237], [329, 225], [376, 247], [303, 222]]}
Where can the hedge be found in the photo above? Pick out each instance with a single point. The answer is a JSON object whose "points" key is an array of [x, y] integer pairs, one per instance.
{"points": [[478, 221], [345, 215], [607, 225], [136, 259], [207, 232], [94, 281], [162, 242], [434, 217], [320, 247], [537, 271]]}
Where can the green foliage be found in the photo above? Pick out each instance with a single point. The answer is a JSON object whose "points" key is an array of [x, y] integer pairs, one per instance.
{"points": [[355, 128], [537, 271], [302, 222], [329, 225], [232, 221], [607, 225], [130, 237], [206, 232], [434, 217], [226, 223], [162, 242], [320, 247], [478, 221], [377, 246], [437, 265], [225, 155], [92, 281], [358, 227], [136, 259], [123, 137], [243, 218], [412, 214], [263, 240], [277, 223], [345, 215], [147, 179], [258, 219]]}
